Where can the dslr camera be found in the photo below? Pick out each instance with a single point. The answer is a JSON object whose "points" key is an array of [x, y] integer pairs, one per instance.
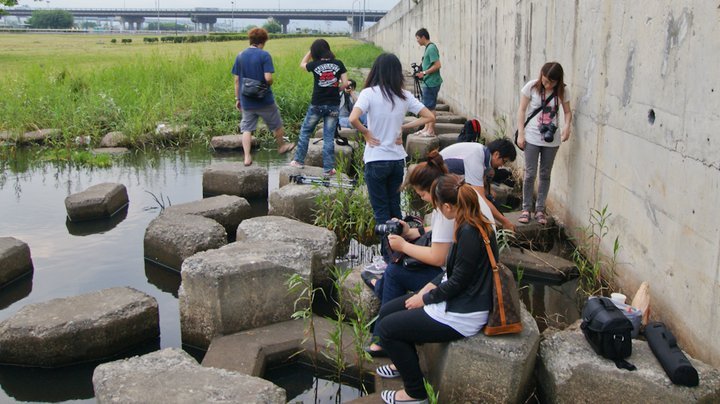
{"points": [[416, 68], [548, 131], [389, 227]]}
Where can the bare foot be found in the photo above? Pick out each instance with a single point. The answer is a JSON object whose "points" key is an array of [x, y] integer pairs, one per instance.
{"points": [[248, 161], [376, 347], [401, 395], [286, 148]]}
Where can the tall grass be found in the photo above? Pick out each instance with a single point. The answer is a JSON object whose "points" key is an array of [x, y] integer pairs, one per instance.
{"points": [[134, 87]]}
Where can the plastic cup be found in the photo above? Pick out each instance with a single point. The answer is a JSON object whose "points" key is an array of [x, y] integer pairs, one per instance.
{"points": [[618, 298]]}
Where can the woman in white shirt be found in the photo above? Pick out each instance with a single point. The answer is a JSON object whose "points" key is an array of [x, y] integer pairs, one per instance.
{"points": [[386, 103]]}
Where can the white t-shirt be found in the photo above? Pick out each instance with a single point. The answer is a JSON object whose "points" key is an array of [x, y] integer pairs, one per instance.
{"points": [[532, 130], [473, 159], [443, 228], [385, 121]]}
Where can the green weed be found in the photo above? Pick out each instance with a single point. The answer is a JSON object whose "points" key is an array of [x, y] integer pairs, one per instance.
{"points": [[596, 270]]}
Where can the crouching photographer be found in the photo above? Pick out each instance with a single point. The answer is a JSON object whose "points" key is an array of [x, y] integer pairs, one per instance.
{"points": [[419, 253]]}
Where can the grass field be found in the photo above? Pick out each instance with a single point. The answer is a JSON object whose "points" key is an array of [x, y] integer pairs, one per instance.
{"points": [[87, 86]]}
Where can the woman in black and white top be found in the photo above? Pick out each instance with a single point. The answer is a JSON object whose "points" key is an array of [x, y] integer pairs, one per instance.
{"points": [[454, 305]]}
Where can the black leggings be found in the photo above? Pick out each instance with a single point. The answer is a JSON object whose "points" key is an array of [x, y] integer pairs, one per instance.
{"points": [[399, 329]]}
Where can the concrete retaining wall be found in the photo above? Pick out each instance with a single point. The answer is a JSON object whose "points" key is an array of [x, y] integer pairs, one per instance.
{"points": [[623, 61]]}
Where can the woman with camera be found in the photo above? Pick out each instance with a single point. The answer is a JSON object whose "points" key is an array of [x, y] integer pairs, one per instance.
{"points": [[386, 102], [450, 307], [398, 278], [538, 138]]}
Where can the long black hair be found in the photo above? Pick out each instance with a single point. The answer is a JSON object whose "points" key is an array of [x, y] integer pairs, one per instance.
{"points": [[320, 49], [386, 73]]}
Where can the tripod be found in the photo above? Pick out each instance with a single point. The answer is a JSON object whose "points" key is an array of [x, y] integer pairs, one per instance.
{"points": [[418, 88], [324, 181]]}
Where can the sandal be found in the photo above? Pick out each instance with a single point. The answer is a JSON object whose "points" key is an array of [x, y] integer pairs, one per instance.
{"points": [[540, 217], [388, 396], [524, 217], [286, 148], [295, 164], [368, 277], [386, 372]]}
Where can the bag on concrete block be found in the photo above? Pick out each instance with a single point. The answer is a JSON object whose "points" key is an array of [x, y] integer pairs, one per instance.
{"points": [[470, 132], [504, 317], [664, 346], [608, 331]]}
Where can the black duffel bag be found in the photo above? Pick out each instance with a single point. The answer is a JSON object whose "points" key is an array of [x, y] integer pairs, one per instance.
{"points": [[608, 331]]}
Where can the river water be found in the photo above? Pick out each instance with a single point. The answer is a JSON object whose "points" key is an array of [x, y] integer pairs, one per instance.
{"points": [[70, 260]]}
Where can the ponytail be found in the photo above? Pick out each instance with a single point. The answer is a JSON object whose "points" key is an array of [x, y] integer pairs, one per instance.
{"points": [[453, 190], [423, 174]]}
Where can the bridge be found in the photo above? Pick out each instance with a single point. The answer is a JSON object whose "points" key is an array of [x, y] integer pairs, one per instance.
{"points": [[209, 16]]}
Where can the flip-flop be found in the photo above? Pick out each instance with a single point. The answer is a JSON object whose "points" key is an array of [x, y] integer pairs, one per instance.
{"points": [[290, 147], [388, 396], [368, 277], [541, 218], [524, 218], [386, 372]]}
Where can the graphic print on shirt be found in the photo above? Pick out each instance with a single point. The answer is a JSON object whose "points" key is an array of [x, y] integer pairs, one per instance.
{"points": [[549, 112], [327, 74]]}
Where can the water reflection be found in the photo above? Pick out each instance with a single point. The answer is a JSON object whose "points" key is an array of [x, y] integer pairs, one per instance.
{"points": [[16, 291], [97, 226], [163, 278]]}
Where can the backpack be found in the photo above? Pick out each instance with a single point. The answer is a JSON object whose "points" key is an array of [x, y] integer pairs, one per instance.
{"points": [[470, 132], [608, 331]]}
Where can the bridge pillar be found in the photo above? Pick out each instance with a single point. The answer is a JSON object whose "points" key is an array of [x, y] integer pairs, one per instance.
{"points": [[134, 22], [356, 24], [205, 21], [283, 23]]}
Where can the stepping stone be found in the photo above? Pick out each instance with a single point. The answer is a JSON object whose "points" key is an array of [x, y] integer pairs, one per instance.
{"points": [[460, 370], [502, 193], [173, 376], [447, 139], [80, 328], [171, 238], [113, 151], [347, 133], [569, 371], [533, 235], [314, 154], [6, 136], [297, 201], [168, 131], [97, 226], [442, 107], [451, 128], [97, 202], [417, 147], [355, 291], [235, 179], [307, 172], [317, 240], [38, 136], [15, 260], [228, 210], [448, 118], [231, 142], [114, 139], [535, 265], [224, 291]]}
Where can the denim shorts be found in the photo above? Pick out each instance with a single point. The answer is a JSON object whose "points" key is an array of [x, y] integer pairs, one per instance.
{"points": [[270, 114], [429, 97]]}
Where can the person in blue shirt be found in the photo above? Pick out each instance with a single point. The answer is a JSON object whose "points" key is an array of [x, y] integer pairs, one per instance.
{"points": [[253, 70]]}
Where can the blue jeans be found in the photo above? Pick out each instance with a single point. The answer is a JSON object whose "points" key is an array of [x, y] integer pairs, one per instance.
{"points": [[397, 281], [383, 179], [429, 97], [329, 115], [345, 121]]}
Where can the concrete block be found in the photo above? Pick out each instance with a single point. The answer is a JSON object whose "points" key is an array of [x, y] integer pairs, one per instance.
{"points": [[80, 328], [111, 150], [15, 260], [308, 171], [231, 142], [173, 376], [496, 369], [354, 290], [224, 291], [235, 179], [448, 128], [171, 238], [317, 240], [536, 265], [97, 202], [442, 107], [533, 235], [450, 118], [297, 201], [314, 154], [114, 139], [569, 371], [447, 139], [347, 133], [38, 136], [417, 147], [228, 210]]}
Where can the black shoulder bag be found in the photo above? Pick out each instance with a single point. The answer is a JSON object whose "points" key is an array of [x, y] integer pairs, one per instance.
{"points": [[537, 110]]}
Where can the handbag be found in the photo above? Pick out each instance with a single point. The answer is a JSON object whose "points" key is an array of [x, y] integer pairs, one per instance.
{"points": [[504, 317], [537, 110], [413, 264], [252, 88], [607, 330]]}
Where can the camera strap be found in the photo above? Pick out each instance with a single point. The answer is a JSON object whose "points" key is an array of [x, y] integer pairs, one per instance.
{"points": [[540, 108]]}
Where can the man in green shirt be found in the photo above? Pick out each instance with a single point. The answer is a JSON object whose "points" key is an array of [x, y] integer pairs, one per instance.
{"points": [[430, 76]]}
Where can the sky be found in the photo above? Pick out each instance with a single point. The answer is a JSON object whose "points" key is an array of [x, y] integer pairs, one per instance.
{"points": [[255, 4], [230, 4]]}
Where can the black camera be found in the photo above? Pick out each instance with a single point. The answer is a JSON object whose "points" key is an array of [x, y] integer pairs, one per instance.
{"points": [[548, 131], [389, 227], [416, 68]]}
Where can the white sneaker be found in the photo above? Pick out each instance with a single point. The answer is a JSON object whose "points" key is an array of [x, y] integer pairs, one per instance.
{"points": [[377, 267]]}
